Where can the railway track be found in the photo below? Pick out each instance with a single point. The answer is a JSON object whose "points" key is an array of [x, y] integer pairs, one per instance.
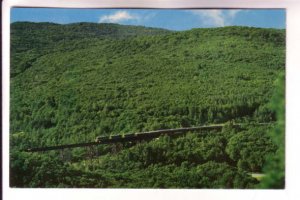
{"points": [[135, 137]]}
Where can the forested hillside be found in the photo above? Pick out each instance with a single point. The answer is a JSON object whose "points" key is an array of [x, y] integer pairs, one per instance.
{"points": [[72, 83], [32, 40]]}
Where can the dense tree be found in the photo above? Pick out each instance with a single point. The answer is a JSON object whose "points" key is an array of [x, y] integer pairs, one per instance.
{"points": [[72, 83], [275, 167], [250, 148]]}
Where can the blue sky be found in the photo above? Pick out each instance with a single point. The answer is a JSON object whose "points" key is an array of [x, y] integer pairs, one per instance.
{"points": [[169, 19]]}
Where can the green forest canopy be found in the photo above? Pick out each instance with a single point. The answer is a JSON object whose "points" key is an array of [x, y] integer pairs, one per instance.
{"points": [[72, 83]]}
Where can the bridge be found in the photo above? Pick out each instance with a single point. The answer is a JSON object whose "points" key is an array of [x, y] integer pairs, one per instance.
{"points": [[149, 135]]}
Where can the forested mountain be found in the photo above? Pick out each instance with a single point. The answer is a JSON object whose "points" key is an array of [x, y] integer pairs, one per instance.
{"points": [[31, 40], [71, 83]]}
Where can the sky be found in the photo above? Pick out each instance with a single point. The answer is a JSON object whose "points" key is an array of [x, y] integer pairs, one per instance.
{"points": [[172, 19]]}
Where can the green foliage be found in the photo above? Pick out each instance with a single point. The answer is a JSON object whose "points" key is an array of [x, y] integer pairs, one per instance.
{"points": [[107, 86], [35, 170], [184, 162], [250, 149], [33, 40], [38, 170], [72, 83], [275, 167]]}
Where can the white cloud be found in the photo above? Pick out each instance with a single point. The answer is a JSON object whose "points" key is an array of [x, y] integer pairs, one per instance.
{"points": [[213, 17], [216, 17], [118, 16]]}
